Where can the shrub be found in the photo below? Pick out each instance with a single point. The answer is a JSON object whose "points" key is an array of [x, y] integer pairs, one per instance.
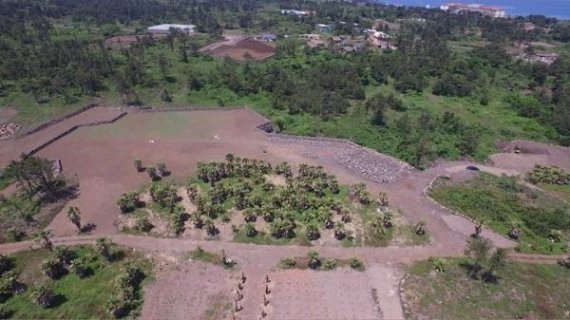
{"points": [[329, 264], [288, 262], [439, 264], [143, 224], [356, 264], [128, 202]]}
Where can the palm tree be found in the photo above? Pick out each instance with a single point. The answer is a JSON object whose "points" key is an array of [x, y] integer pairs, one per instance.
{"points": [[478, 249], [420, 228], [74, 216], [211, 229], [514, 230], [479, 228], [53, 268], [197, 220], [43, 238], [250, 230], [152, 173], [383, 199], [138, 165], [313, 232], [44, 296], [249, 215], [162, 170], [387, 220], [106, 248], [79, 267], [314, 260], [498, 261], [339, 232]]}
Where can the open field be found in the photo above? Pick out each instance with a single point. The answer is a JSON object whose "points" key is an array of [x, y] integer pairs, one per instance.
{"points": [[523, 291]]}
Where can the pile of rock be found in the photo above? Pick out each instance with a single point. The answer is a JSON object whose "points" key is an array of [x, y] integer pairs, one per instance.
{"points": [[8, 130], [360, 160], [371, 164]]}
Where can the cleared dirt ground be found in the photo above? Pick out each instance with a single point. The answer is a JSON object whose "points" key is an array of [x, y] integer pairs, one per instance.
{"points": [[101, 159], [192, 289], [240, 49]]}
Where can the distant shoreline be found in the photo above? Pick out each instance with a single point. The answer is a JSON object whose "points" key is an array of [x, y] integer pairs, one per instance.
{"points": [[551, 8]]}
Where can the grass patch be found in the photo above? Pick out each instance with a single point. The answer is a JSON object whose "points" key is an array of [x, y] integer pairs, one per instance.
{"points": [[523, 291], [79, 298], [562, 192], [20, 217], [503, 203]]}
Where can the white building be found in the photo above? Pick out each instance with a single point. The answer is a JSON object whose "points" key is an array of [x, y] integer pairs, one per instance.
{"points": [[165, 28], [489, 11]]}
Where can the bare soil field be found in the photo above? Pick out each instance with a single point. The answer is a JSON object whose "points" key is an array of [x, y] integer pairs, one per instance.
{"points": [[13, 148], [307, 294], [531, 153], [193, 290], [240, 49]]}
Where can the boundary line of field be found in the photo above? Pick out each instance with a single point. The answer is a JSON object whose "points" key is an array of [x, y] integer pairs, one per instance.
{"points": [[57, 120], [70, 130]]}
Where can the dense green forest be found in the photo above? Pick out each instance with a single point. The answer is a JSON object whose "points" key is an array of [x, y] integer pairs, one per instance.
{"points": [[451, 89]]}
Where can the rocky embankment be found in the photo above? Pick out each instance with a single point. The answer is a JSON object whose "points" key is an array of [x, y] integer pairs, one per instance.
{"points": [[360, 160]]}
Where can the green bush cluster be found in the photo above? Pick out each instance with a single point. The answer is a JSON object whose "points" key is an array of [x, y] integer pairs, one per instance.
{"points": [[549, 175]]}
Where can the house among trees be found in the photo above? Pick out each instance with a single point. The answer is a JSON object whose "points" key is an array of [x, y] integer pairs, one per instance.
{"points": [[167, 28], [268, 37], [380, 40], [489, 11], [545, 57], [324, 28], [298, 13]]}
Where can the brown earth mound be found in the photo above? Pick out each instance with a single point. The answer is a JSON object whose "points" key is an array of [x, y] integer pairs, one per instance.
{"points": [[247, 49]]}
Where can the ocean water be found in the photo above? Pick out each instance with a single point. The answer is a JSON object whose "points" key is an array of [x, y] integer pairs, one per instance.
{"points": [[553, 8]]}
